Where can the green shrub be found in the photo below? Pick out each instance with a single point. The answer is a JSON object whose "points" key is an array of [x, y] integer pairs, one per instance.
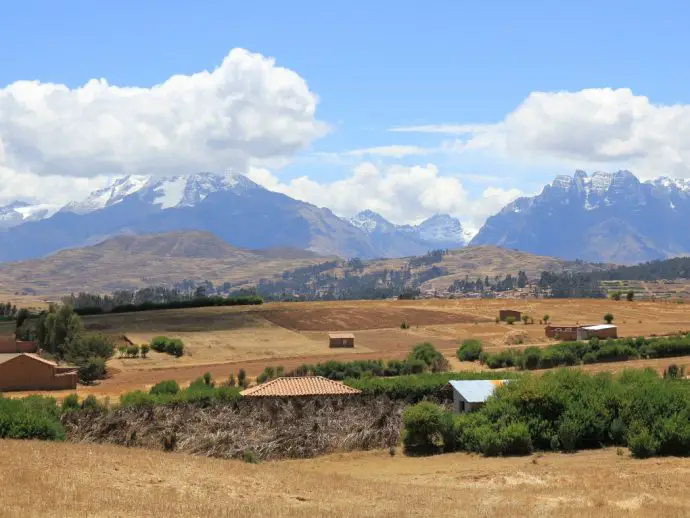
{"points": [[133, 351], [165, 387], [33, 417], [429, 355], [70, 403], [643, 444], [91, 403], [516, 440], [159, 343], [208, 379], [175, 346], [510, 320], [423, 427], [92, 369], [608, 318], [470, 350], [145, 348]]}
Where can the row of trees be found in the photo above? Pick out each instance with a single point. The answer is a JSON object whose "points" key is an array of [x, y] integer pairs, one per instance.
{"points": [[60, 332], [564, 410]]}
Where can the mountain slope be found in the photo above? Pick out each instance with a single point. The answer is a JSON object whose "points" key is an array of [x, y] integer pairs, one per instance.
{"points": [[605, 217], [131, 262], [21, 212], [439, 231], [230, 206]]}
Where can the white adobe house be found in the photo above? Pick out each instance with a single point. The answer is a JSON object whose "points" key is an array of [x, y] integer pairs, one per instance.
{"points": [[471, 394]]}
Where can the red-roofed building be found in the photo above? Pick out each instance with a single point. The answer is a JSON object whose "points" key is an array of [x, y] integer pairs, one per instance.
{"points": [[304, 386]]}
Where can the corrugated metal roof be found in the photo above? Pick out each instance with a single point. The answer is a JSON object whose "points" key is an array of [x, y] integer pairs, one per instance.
{"points": [[476, 391], [341, 335], [599, 327], [300, 386]]}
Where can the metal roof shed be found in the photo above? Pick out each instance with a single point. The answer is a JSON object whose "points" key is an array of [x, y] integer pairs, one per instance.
{"points": [[470, 394]]}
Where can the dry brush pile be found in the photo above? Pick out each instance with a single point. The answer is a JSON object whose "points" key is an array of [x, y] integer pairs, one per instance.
{"points": [[270, 429]]}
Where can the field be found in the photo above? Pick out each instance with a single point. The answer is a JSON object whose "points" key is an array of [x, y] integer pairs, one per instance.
{"points": [[98, 480], [222, 340]]}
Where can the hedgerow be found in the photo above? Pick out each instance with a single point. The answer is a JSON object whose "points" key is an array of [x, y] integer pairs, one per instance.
{"points": [[592, 351], [417, 387], [200, 302], [201, 392], [423, 357], [567, 410]]}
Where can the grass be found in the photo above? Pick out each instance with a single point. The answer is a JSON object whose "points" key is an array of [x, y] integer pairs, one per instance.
{"points": [[104, 481]]}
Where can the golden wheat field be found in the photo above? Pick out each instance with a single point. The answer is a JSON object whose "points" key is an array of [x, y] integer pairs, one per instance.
{"points": [[54, 479]]}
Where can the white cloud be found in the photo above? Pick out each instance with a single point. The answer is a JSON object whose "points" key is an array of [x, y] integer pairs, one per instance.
{"points": [[394, 151], [598, 127], [402, 194], [246, 111], [51, 189]]}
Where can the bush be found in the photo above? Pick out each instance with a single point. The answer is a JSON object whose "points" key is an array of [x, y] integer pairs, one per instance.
{"points": [[165, 387], [608, 318], [33, 417], [673, 371], [424, 425], [133, 351], [516, 440], [145, 348], [91, 403], [175, 346], [404, 325], [159, 343], [510, 320], [630, 295], [470, 350], [70, 403], [427, 353], [92, 369], [643, 444]]}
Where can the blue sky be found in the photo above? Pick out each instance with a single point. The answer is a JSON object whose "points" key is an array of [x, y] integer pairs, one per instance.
{"points": [[379, 65]]}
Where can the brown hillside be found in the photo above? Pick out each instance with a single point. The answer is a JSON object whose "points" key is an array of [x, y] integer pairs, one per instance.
{"points": [[130, 262]]}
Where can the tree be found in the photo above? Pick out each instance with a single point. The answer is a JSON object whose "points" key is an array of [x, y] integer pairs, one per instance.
{"points": [[56, 328], [630, 295], [546, 319], [469, 351], [242, 380], [616, 295], [144, 348], [608, 317], [525, 319], [521, 279]]}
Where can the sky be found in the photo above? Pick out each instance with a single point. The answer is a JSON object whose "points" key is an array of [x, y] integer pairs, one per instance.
{"points": [[405, 108]]}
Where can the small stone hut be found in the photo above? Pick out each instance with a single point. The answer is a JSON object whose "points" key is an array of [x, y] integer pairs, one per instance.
{"points": [[341, 340]]}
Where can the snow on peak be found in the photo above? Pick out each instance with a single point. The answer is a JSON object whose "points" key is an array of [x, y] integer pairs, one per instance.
{"points": [[19, 212], [187, 191], [370, 221], [109, 195], [664, 182], [442, 227], [600, 182]]}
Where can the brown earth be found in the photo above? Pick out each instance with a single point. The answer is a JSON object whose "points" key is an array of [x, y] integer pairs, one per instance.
{"points": [[223, 340], [55, 480]]}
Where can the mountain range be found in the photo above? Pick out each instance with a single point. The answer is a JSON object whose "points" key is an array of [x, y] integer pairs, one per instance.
{"points": [[231, 206], [605, 217], [609, 217]]}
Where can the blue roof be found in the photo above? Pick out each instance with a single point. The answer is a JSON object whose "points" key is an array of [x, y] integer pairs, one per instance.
{"points": [[476, 391]]}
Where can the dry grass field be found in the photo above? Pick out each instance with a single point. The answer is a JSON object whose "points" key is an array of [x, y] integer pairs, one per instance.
{"points": [[53, 479], [225, 339]]}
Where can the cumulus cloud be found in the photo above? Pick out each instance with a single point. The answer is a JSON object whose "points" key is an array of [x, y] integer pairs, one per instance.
{"points": [[597, 127], [246, 111], [402, 194], [51, 189]]}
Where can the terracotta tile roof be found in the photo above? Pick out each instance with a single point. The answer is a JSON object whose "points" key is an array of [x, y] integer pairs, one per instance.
{"points": [[300, 386]]}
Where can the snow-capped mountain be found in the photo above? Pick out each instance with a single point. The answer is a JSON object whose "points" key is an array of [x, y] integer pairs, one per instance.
{"points": [[439, 231], [603, 217], [20, 212], [165, 193]]}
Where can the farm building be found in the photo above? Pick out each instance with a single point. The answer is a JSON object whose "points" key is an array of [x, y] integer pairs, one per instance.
{"points": [[569, 333], [26, 371], [9, 344], [304, 386], [503, 314], [601, 331], [341, 340], [471, 394]]}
